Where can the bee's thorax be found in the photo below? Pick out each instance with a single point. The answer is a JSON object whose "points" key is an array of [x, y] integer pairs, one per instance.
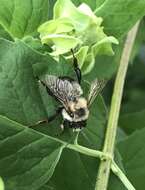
{"points": [[79, 103], [79, 115]]}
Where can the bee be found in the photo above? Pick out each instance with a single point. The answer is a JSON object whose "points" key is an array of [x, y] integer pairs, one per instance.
{"points": [[74, 107]]}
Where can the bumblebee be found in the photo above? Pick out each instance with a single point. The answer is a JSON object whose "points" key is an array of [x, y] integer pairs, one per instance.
{"points": [[74, 107]]}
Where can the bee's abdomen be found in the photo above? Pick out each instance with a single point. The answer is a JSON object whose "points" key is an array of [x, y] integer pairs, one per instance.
{"points": [[76, 125]]}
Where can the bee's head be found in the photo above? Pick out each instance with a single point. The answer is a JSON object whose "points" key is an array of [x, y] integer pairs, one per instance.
{"points": [[79, 108]]}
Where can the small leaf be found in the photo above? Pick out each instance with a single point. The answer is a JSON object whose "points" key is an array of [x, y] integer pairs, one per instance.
{"points": [[81, 55], [62, 43], [56, 26], [88, 63], [104, 46], [105, 66], [85, 9]]}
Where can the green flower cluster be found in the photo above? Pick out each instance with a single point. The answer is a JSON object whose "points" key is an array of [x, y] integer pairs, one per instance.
{"points": [[76, 28]]}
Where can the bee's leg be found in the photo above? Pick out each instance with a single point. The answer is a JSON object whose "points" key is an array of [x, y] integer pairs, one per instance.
{"points": [[49, 119], [64, 125], [39, 122], [76, 68], [62, 129]]}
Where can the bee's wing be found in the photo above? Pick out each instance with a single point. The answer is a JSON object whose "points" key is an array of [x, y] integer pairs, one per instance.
{"points": [[95, 89], [63, 89]]}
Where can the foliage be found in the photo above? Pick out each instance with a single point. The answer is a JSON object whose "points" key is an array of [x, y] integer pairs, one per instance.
{"points": [[76, 28], [37, 158]]}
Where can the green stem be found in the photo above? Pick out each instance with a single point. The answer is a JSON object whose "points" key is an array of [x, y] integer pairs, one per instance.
{"points": [[98, 154], [117, 171], [86, 151], [104, 169]]}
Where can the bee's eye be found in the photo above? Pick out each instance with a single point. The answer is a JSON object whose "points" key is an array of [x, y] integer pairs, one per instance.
{"points": [[80, 112], [73, 99], [71, 114]]}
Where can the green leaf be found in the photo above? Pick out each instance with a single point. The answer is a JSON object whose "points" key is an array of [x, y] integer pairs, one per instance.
{"points": [[104, 46], [121, 135], [105, 66], [62, 43], [120, 16], [88, 64], [81, 55], [132, 150], [75, 170], [36, 44], [20, 99], [51, 27], [18, 61], [22, 18], [60, 68], [27, 158], [132, 121]]}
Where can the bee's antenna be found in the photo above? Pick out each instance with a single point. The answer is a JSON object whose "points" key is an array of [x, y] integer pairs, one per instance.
{"points": [[72, 51], [76, 67]]}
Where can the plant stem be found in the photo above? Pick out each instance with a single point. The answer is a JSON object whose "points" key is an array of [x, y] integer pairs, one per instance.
{"points": [[98, 154], [105, 165], [117, 171], [86, 151]]}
